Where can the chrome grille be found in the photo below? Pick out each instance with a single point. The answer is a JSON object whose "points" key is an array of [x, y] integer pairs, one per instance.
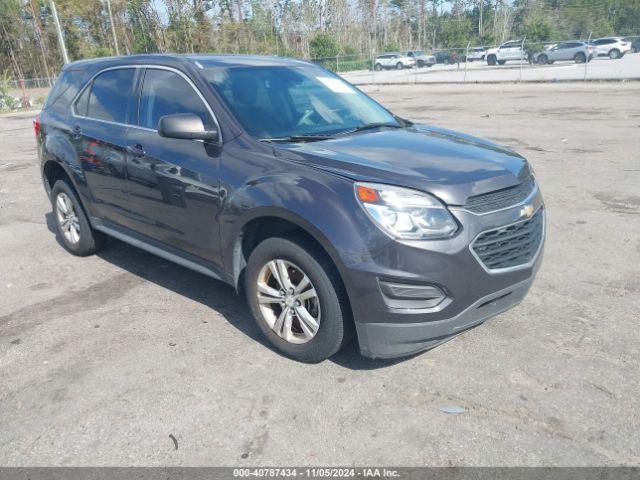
{"points": [[512, 245], [499, 199]]}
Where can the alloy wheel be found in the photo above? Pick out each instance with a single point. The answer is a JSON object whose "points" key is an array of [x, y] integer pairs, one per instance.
{"points": [[288, 301], [67, 218]]}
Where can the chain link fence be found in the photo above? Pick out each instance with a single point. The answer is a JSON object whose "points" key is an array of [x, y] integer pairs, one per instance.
{"points": [[514, 61]]}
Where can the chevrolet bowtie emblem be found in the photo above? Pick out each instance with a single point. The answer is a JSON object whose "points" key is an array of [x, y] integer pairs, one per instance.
{"points": [[526, 211]]}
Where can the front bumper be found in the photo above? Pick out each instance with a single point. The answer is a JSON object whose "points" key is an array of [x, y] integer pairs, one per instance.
{"points": [[473, 292], [388, 340]]}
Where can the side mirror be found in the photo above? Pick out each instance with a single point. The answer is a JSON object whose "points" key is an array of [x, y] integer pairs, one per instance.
{"points": [[187, 126]]}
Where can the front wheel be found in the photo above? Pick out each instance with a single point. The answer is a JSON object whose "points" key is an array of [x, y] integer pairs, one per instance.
{"points": [[378, 67], [580, 57], [72, 224], [297, 299], [501, 62], [542, 60], [399, 66], [420, 64], [491, 60]]}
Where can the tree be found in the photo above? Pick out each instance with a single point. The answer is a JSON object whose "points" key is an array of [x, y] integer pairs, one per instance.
{"points": [[323, 45]]}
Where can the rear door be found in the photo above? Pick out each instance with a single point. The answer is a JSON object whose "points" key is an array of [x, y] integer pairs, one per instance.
{"points": [[559, 52], [99, 129], [173, 183]]}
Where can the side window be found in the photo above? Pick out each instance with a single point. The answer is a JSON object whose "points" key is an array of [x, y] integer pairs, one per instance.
{"points": [[110, 95], [167, 93], [80, 107]]}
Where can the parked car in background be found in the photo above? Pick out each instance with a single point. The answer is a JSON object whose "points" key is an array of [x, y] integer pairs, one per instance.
{"points": [[445, 57], [333, 216], [477, 53], [508, 51], [612, 47], [395, 60], [576, 51], [635, 44], [421, 58]]}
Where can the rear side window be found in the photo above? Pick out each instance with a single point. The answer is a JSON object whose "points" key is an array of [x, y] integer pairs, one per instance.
{"points": [[167, 93], [109, 96]]}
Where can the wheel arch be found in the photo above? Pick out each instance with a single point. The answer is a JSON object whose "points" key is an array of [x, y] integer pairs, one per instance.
{"points": [[267, 222]]}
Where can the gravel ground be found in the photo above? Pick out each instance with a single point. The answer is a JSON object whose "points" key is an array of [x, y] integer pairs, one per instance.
{"points": [[102, 359]]}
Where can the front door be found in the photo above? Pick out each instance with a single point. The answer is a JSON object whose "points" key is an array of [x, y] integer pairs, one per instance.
{"points": [[173, 184]]}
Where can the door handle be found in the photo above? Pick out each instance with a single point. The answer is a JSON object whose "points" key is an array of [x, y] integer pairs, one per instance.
{"points": [[136, 150], [77, 132]]}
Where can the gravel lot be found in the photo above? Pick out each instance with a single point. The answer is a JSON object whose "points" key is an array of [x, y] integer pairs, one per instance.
{"points": [[103, 358], [603, 68]]}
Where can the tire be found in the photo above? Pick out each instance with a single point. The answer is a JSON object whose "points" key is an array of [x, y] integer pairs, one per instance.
{"points": [[501, 62], [491, 60], [420, 64], [79, 238], [543, 60], [634, 49], [399, 66], [333, 313], [614, 54], [580, 57], [377, 67]]}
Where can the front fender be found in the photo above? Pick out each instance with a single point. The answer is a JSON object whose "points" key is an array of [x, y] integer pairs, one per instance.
{"points": [[320, 203]]}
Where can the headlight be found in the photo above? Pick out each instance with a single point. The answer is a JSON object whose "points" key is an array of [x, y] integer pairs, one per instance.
{"points": [[404, 213]]}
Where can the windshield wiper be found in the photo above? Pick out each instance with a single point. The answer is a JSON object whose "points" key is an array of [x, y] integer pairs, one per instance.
{"points": [[298, 138], [371, 126]]}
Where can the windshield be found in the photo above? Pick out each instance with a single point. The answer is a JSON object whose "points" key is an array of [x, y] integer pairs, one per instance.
{"points": [[279, 101]]}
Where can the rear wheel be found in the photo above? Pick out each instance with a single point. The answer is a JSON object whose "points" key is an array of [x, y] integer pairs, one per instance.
{"points": [[543, 60], [399, 66], [501, 62], [420, 64], [491, 60], [72, 224], [378, 67], [580, 57], [297, 299], [614, 54]]}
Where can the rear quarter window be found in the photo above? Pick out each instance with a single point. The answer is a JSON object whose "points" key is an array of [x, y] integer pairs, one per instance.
{"points": [[65, 89]]}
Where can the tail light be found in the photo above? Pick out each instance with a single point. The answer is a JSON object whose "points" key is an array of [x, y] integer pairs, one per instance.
{"points": [[36, 126]]}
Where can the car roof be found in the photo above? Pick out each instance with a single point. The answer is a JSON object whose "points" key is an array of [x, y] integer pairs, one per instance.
{"points": [[174, 60]]}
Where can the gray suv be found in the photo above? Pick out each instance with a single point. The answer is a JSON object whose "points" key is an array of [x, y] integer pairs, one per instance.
{"points": [[579, 52], [330, 214]]}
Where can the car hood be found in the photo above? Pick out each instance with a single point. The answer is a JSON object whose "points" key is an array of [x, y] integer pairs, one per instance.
{"points": [[447, 164]]}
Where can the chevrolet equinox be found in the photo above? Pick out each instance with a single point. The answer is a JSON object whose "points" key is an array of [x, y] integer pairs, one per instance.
{"points": [[332, 215]]}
